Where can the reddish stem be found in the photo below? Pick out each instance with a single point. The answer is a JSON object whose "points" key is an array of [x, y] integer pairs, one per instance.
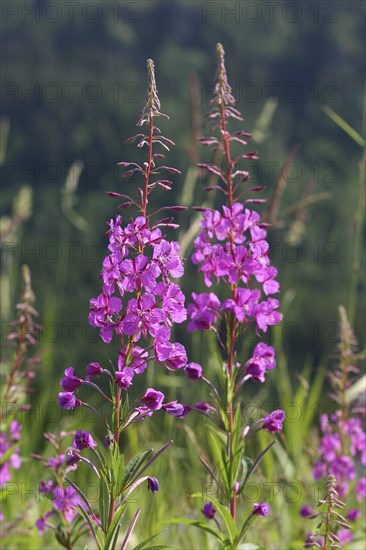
{"points": [[148, 167], [229, 183]]}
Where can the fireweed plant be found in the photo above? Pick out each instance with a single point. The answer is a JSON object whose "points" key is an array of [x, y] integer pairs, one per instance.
{"points": [[232, 251], [138, 305], [17, 372], [329, 520], [342, 449]]}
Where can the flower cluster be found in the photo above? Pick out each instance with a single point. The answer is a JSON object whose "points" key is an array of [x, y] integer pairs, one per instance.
{"points": [[140, 299], [15, 376], [8, 441], [342, 447], [232, 247], [63, 498], [139, 302], [232, 252]]}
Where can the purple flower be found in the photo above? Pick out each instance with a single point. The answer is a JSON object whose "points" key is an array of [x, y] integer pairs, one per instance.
{"points": [[68, 401], [153, 399], [244, 305], [41, 522], [7, 440], [102, 310], [73, 458], [66, 499], [93, 369], [204, 407], [193, 371], [83, 440], [46, 486], [306, 511], [354, 514], [319, 470], [152, 484], [124, 377], [142, 316], [137, 361], [344, 536], [273, 422], [176, 409], [70, 382], [208, 510], [167, 256], [329, 446], [263, 509], [342, 468], [263, 360], [266, 315], [311, 540], [56, 462], [203, 311], [174, 354], [360, 489]]}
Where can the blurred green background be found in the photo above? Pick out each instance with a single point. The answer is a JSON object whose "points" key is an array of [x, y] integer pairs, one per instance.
{"points": [[73, 86]]}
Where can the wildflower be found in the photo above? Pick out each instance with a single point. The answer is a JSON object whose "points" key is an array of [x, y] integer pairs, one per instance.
{"points": [[7, 441], [344, 536], [306, 511], [66, 499], [93, 369], [203, 407], [203, 311], [153, 399], [68, 401], [354, 514], [55, 462], [83, 440], [124, 377], [193, 371], [360, 489], [263, 360], [176, 409], [208, 510], [273, 422], [263, 509], [73, 458], [41, 522], [152, 484], [70, 382], [46, 487]]}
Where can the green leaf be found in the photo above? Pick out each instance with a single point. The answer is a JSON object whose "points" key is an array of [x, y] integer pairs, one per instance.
{"points": [[220, 455], [250, 546], [130, 529], [243, 468], [228, 520], [258, 461], [133, 466], [185, 521], [80, 492], [247, 523], [144, 542], [103, 503], [118, 467], [98, 536], [347, 128], [113, 526]]}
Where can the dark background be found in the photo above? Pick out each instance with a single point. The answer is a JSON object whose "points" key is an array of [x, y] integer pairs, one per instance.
{"points": [[73, 84]]}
